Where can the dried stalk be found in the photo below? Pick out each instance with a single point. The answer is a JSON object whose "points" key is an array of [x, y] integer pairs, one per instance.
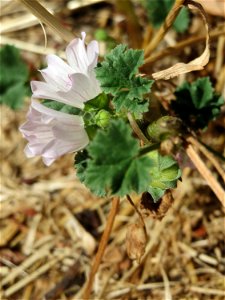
{"points": [[208, 154], [164, 28], [47, 18], [206, 174], [102, 246]]}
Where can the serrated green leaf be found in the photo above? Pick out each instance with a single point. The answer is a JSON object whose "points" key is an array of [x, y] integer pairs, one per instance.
{"points": [[118, 76], [197, 103], [156, 193], [114, 165], [164, 174], [61, 107], [13, 76]]}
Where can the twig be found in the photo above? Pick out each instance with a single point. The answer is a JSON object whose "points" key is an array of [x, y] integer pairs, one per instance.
{"points": [[137, 211], [206, 174], [164, 28], [136, 129], [47, 18], [102, 246], [208, 154]]}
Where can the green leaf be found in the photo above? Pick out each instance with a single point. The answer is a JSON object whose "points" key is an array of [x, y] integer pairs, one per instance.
{"points": [[158, 10], [164, 173], [99, 102], [13, 76], [80, 163], [201, 92], [114, 165], [182, 21], [61, 107], [197, 103], [14, 95], [118, 76]]}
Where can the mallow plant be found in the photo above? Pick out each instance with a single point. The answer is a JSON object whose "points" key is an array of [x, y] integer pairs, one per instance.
{"points": [[99, 111]]}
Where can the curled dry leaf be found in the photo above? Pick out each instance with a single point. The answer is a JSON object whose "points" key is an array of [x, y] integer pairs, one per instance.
{"points": [[216, 7], [158, 210], [136, 240], [194, 65]]}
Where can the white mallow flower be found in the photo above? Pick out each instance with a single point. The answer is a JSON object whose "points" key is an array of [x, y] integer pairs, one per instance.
{"points": [[53, 133]]}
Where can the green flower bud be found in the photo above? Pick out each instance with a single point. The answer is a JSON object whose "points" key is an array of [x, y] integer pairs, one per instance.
{"points": [[164, 128], [102, 118]]}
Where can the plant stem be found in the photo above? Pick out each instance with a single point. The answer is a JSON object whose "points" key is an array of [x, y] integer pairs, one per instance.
{"points": [[149, 148], [102, 246], [164, 28], [137, 129], [137, 211], [206, 174]]}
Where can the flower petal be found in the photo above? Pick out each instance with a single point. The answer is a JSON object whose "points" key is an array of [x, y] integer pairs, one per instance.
{"points": [[52, 133], [76, 54], [57, 73], [42, 90]]}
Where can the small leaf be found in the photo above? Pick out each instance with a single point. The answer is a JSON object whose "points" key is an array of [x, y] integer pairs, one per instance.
{"points": [[118, 76]]}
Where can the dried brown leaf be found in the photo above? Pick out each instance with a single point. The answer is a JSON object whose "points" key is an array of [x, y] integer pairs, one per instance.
{"points": [[194, 65], [136, 240]]}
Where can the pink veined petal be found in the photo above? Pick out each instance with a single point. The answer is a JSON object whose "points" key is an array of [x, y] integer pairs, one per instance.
{"points": [[52, 133], [77, 55], [64, 117], [42, 90], [92, 54], [88, 86], [57, 73]]}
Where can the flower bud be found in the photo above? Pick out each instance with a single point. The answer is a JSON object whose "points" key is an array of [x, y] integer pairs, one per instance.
{"points": [[164, 128], [102, 118]]}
